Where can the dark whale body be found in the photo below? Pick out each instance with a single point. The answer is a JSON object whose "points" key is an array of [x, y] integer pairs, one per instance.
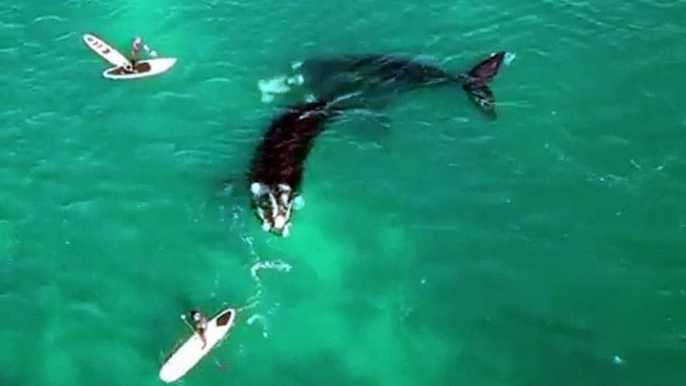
{"points": [[277, 167], [384, 74]]}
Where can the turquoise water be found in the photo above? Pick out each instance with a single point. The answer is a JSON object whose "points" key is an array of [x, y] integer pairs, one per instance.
{"points": [[544, 248]]}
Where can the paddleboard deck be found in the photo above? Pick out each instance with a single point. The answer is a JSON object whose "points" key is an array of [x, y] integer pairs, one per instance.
{"points": [[192, 351], [105, 50], [144, 68]]}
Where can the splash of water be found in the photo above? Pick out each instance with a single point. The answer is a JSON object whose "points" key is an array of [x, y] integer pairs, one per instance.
{"points": [[509, 58], [270, 87], [254, 270], [278, 85], [277, 265], [262, 320], [150, 52], [259, 265]]}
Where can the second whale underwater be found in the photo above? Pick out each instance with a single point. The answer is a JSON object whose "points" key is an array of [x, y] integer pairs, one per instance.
{"points": [[276, 169]]}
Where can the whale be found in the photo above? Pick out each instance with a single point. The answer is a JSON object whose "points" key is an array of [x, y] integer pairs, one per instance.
{"points": [[275, 175]]}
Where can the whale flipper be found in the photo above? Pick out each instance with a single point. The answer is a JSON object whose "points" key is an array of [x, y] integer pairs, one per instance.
{"points": [[475, 82]]}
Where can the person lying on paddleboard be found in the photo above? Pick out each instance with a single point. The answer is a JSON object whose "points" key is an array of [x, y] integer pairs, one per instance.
{"points": [[200, 325]]}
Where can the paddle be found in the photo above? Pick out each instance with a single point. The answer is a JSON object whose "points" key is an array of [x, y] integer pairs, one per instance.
{"points": [[216, 361]]}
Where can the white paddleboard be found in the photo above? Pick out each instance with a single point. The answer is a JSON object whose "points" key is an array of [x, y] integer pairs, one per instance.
{"points": [[105, 50], [144, 68], [191, 351]]}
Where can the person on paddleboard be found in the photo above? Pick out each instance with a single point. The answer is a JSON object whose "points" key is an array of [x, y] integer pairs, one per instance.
{"points": [[199, 325], [135, 47]]}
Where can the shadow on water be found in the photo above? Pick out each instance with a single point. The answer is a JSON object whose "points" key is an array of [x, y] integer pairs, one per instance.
{"points": [[655, 366], [324, 369], [529, 349], [549, 363], [13, 379], [550, 325]]}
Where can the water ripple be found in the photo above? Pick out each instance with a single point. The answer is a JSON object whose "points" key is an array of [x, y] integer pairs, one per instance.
{"points": [[48, 18]]}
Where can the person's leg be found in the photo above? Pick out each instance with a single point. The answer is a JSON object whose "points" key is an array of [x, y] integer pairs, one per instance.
{"points": [[201, 333]]}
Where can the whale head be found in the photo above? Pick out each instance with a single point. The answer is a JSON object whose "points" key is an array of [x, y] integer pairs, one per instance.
{"points": [[273, 206]]}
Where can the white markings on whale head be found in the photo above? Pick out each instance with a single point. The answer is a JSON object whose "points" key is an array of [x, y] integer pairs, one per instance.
{"points": [[273, 206]]}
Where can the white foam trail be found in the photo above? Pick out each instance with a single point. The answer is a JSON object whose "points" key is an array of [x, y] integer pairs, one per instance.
{"points": [[277, 265], [252, 301], [263, 322]]}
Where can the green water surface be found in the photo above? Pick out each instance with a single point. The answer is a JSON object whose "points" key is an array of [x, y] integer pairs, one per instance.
{"points": [[544, 248]]}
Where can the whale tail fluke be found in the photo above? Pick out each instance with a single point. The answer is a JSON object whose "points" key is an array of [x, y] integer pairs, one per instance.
{"points": [[475, 82]]}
